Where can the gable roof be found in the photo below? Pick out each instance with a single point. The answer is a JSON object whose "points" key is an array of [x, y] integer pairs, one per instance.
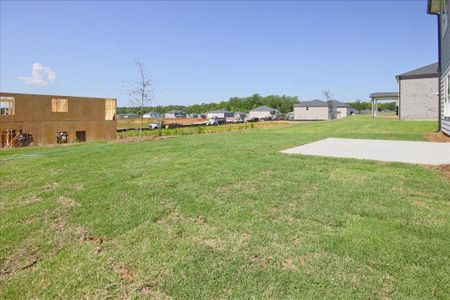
{"points": [[313, 103], [263, 108], [427, 71]]}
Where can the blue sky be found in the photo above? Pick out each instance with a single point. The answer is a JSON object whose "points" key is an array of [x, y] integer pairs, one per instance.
{"points": [[208, 51]]}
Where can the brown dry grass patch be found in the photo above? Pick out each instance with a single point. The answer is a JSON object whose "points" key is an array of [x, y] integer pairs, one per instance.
{"points": [[134, 139], [446, 170], [438, 137]]}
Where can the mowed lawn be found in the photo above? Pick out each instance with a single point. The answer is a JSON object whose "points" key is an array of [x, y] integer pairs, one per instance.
{"points": [[224, 216]]}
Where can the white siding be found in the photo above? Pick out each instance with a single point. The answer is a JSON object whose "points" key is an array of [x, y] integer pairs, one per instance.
{"points": [[445, 120], [342, 112], [260, 114], [445, 68]]}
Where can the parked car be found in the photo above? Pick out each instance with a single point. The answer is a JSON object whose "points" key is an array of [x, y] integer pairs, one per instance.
{"points": [[155, 125]]}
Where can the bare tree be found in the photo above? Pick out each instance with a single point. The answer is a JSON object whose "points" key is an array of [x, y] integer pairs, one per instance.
{"points": [[140, 91], [327, 95], [331, 104]]}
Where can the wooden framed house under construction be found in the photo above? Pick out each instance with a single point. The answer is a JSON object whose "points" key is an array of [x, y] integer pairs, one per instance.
{"points": [[27, 119]]}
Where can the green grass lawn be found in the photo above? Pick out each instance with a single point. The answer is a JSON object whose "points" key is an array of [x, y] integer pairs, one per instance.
{"points": [[224, 216]]}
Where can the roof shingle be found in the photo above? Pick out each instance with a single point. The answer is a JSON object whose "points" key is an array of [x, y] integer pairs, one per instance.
{"points": [[427, 71]]}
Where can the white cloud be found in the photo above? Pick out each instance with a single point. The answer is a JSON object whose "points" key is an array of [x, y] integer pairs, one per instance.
{"points": [[40, 75]]}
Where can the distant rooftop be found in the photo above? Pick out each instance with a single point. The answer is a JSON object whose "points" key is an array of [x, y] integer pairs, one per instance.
{"points": [[312, 103], [176, 112], [263, 108], [340, 104], [427, 71], [387, 95], [220, 111], [152, 113]]}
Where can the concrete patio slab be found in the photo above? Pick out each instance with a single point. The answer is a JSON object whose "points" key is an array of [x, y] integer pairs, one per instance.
{"points": [[427, 153]]}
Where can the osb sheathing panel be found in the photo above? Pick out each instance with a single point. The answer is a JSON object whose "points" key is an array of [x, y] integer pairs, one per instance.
{"points": [[33, 114]]}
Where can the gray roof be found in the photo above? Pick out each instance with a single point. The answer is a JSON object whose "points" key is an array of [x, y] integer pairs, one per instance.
{"points": [[340, 104], [152, 113], [313, 103], [176, 112], [131, 115], [392, 95], [220, 111], [422, 72], [263, 108]]}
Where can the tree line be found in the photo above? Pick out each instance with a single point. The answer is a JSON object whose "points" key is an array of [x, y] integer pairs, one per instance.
{"points": [[360, 105], [283, 103]]}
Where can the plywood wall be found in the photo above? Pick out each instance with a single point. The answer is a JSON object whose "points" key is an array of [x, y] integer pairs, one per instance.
{"points": [[41, 116]]}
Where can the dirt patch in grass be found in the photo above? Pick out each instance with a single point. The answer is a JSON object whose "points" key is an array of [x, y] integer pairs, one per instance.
{"points": [[67, 202], [57, 233], [288, 264], [50, 187], [134, 139], [22, 259], [124, 272], [82, 234], [21, 201], [78, 187], [148, 291], [437, 137], [29, 199], [446, 170], [422, 204], [92, 240], [212, 243], [264, 262], [202, 232]]}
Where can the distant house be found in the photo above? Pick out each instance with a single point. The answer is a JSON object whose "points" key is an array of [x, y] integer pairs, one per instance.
{"points": [[419, 93], [240, 115], [175, 114], [365, 111], [151, 115], [342, 109], [220, 113], [264, 112], [290, 116], [312, 110], [441, 8], [128, 116]]}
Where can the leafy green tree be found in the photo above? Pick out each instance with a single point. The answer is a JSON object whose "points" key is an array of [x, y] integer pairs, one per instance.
{"points": [[283, 103]]}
